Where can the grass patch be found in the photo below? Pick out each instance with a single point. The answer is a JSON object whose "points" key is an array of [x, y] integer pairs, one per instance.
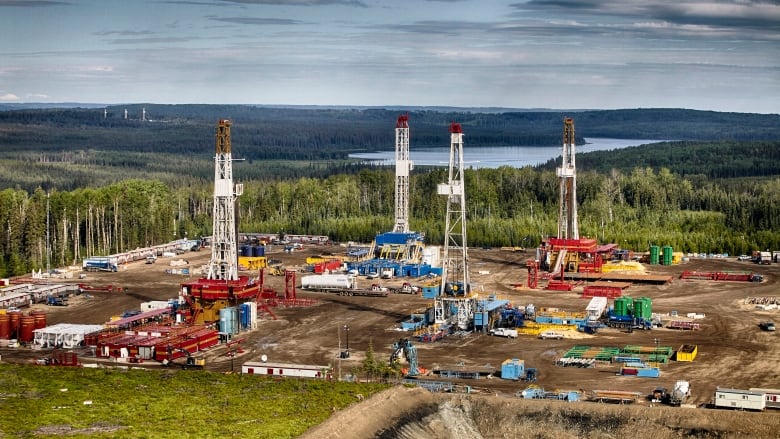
{"points": [[96, 403]]}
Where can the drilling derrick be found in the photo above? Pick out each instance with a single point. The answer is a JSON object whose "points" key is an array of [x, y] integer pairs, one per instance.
{"points": [[403, 165], [455, 274], [568, 227], [222, 289], [224, 256]]}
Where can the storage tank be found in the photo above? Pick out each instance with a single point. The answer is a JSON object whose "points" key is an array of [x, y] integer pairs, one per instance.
{"points": [[5, 326], [246, 250], [228, 320], [245, 314], [654, 254], [328, 281], [40, 319], [432, 255], [14, 323], [623, 306], [643, 307], [258, 251], [27, 325], [668, 254]]}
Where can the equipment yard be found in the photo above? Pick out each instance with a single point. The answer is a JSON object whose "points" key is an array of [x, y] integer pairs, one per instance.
{"points": [[733, 352]]}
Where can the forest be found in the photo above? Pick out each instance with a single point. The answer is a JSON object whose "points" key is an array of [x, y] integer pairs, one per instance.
{"points": [[81, 199]]}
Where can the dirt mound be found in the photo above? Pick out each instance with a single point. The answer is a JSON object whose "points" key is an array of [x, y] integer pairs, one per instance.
{"points": [[416, 414]]}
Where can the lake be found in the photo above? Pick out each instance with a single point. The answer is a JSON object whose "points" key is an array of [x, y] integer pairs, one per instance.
{"points": [[496, 156]]}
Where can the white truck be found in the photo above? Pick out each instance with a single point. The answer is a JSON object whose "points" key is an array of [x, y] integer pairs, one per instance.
{"points": [[504, 332]]}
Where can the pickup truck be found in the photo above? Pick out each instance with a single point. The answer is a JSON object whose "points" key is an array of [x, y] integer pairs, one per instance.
{"points": [[550, 335], [504, 332]]}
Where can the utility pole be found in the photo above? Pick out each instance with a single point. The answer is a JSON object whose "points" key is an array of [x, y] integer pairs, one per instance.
{"points": [[48, 240]]}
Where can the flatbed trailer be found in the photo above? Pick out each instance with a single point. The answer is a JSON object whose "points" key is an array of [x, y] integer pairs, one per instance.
{"points": [[362, 292], [370, 292]]}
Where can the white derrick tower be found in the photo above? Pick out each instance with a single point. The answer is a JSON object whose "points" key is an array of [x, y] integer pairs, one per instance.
{"points": [[568, 227], [403, 165], [455, 271], [224, 256]]}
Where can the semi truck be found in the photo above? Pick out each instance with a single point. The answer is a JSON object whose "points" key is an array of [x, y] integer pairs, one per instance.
{"points": [[341, 284], [55, 301], [99, 264]]}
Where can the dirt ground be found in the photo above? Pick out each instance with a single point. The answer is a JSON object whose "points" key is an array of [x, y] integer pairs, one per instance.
{"points": [[733, 351]]}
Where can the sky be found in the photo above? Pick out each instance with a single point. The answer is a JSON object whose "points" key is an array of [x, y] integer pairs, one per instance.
{"points": [[559, 54]]}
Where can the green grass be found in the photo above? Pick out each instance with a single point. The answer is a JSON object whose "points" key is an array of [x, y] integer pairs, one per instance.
{"points": [[160, 404]]}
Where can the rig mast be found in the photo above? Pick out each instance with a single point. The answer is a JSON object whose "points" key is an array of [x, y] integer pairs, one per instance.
{"points": [[455, 267], [568, 227], [455, 290], [224, 257], [403, 165]]}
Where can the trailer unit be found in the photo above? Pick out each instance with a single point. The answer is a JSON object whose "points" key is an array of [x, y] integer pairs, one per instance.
{"points": [[739, 399]]}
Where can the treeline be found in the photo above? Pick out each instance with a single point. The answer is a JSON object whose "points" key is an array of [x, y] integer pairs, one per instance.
{"points": [[722, 159], [269, 133], [506, 206]]}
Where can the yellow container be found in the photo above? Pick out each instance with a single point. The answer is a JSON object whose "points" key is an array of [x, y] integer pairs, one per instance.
{"points": [[687, 352]]}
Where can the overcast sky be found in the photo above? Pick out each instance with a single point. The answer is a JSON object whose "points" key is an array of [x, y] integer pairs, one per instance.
{"points": [[562, 54]]}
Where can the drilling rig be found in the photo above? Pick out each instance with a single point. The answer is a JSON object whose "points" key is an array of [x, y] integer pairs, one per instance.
{"points": [[567, 251], [222, 287], [455, 286]]}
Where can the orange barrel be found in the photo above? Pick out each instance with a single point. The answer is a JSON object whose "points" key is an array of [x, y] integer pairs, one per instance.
{"points": [[5, 327], [26, 333], [40, 319], [14, 320]]}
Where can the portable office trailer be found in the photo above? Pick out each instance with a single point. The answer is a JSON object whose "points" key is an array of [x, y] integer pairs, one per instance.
{"points": [[289, 370], [739, 399], [771, 397]]}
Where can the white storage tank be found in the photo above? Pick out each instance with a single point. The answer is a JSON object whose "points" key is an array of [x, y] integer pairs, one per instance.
{"points": [[596, 308], [432, 256], [328, 282]]}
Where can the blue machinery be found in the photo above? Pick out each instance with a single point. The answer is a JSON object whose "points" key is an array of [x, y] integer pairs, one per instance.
{"points": [[405, 348]]}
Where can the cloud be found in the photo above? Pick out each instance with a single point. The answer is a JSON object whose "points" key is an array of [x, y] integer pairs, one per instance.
{"points": [[753, 14], [123, 33], [256, 21], [8, 97], [356, 3], [37, 96], [31, 3], [152, 40]]}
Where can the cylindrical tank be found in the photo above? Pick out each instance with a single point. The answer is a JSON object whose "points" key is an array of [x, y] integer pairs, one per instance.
{"points": [[643, 307], [246, 250], [40, 319], [668, 255], [14, 321], [622, 306], [258, 251], [228, 320], [654, 253], [328, 281], [5, 326], [27, 325], [243, 315]]}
